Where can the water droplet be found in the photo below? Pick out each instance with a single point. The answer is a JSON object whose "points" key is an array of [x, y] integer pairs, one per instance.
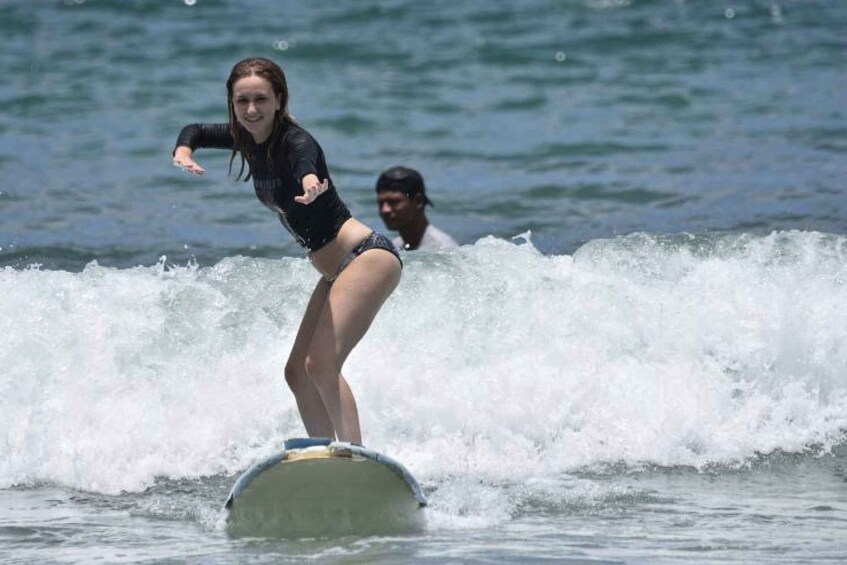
{"points": [[190, 2], [729, 13], [561, 56], [281, 45]]}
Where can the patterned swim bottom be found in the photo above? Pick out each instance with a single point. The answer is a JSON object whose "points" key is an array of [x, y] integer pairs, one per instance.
{"points": [[373, 241]]}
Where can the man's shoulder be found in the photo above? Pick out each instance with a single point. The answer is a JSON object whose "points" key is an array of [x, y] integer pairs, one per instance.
{"points": [[434, 238]]}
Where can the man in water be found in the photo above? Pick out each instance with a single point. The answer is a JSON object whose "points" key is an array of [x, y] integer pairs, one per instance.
{"points": [[401, 197]]}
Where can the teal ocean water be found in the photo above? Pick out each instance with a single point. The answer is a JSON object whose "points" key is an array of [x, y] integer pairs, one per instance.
{"points": [[638, 355]]}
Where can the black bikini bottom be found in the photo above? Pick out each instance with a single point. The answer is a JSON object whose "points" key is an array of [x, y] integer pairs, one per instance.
{"points": [[373, 241]]}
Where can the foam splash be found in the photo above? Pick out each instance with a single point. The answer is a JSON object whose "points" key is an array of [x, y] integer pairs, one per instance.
{"points": [[491, 364]]}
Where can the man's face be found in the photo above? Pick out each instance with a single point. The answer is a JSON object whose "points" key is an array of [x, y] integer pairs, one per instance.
{"points": [[396, 208]]}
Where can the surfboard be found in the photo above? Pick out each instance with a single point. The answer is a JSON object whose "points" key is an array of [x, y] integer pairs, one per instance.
{"points": [[319, 487]]}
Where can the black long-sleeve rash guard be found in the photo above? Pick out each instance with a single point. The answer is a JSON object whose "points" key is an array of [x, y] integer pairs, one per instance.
{"points": [[277, 179]]}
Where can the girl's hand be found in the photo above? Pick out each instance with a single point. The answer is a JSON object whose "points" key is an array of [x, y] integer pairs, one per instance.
{"points": [[312, 189], [183, 160]]}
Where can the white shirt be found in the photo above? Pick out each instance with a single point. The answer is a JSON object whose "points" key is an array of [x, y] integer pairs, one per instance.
{"points": [[433, 239]]}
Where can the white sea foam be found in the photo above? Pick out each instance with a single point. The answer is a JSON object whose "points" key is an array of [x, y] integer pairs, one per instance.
{"points": [[492, 364]]}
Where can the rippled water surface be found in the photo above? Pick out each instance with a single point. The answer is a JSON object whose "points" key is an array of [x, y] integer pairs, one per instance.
{"points": [[655, 371], [573, 119]]}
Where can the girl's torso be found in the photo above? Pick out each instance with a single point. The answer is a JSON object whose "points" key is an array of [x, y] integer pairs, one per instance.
{"points": [[325, 227], [328, 258], [277, 167]]}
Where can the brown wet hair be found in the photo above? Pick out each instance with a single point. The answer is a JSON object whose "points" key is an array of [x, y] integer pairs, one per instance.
{"points": [[271, 72]]}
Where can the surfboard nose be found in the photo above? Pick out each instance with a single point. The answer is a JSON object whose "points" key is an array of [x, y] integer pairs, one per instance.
{"points": [[318, 487]]}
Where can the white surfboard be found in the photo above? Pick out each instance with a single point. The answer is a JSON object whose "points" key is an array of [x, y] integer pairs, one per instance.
{"points": [[319, 487]]}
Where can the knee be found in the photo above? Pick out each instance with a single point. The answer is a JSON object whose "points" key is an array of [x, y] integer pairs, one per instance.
{"points": [[295, 375], [320, 370]]}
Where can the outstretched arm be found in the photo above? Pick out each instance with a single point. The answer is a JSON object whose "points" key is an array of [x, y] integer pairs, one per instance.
{"points": [[183, 160], [199, 135], [312, 188], [303, 155]]}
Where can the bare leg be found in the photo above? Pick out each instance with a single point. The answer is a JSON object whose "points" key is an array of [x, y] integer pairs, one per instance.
{"points": [[349, 408], [351, 305], [309, 401]]}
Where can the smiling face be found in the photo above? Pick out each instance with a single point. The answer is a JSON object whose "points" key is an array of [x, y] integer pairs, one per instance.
{"points": [[255, 106]]}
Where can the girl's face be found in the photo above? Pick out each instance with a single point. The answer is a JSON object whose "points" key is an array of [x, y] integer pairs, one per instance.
{"points": [[255, 106]]}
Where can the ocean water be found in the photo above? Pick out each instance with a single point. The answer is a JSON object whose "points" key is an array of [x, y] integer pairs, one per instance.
{"points": [[638, 355]]}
